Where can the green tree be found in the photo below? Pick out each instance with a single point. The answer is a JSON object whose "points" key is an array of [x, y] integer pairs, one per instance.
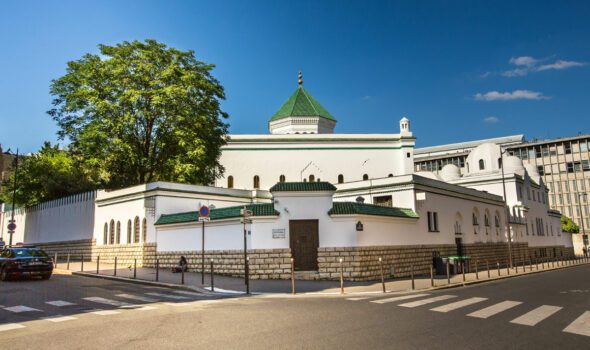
{"points": [[48, 174], [568, 225], [142, 112]]}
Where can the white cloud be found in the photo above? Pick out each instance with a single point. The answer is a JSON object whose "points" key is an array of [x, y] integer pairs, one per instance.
{"points": [[491, 120], [527, 64], [509, 96]]}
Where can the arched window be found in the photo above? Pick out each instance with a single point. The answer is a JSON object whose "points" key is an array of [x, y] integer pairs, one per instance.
{"points": [[340, 178], [390, 175], [282, 178], [112, 232], [365, 177], [230, 182], [144, 230], [105, 238], [256, 181], [486, 220], [497, 221], [118, 236], [311, 178], [128, 231], [474, 218], [481, 164], [136, 230]]}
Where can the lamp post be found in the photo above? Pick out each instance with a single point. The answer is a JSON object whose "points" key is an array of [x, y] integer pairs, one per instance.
{"points": [[584, 236], [506, 207], [11, 232]]}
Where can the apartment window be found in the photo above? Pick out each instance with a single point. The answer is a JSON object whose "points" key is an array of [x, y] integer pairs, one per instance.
{"points": [[534, 197], [552, 151], [567, 146], [545, 151], [532, 153], [583, 146], [385, 201], [541, 170], [566, 185], [528, 193], [574, 185], [585, 165], [551, 186], [570, 167], [432, 221], [560, 199], [538, 151]]}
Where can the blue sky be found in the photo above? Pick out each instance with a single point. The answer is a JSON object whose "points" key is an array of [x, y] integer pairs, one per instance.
{"points": [[460, 70]]}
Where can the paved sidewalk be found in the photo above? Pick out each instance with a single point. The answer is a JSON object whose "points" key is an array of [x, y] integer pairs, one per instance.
{"points": [[235, 284]]}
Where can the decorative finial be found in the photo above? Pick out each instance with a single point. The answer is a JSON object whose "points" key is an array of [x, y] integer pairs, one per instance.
{"points": [[300, 80]]}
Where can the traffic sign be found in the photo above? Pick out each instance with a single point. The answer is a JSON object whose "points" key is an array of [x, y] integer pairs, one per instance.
{"points": [[204, 211], [204, 218], [11, 226]]}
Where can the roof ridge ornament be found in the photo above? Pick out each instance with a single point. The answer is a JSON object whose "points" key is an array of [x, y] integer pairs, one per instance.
{"points": [[300, 79]]}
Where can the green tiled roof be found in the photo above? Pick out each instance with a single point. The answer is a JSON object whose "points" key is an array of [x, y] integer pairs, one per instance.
{"points": [[302, 187], [349, 208], [301, 104], [260, 209]]}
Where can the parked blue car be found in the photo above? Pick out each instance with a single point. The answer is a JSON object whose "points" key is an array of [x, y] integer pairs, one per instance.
{"points": [[17, 262]]}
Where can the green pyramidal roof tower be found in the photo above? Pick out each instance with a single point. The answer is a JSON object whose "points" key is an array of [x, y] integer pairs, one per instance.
{"points": [[302, 114]]}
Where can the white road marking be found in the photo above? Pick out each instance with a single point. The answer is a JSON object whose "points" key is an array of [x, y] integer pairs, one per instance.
{"points": [[104, 312], [59, 303], [581, 325], [59, 318], [458, 304], [138, 297], [403, 297], [427, 301], [20, 308], [10, 326], [176, 297], [108, 301], [358, 298], [195, 294], [537, 315], [494, 309]]}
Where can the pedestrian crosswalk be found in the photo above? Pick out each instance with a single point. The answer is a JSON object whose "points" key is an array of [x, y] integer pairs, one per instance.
{"points": [[485, 308], [58, 311]]}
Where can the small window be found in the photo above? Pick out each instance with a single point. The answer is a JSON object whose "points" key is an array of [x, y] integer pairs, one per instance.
{"points": [[105, 238], [256, 181], [408, 155], [311, 178], [282, 178], [230, 182], [112, 232], [432, 221], [128, 231], [481, 164], [144, 230], [486, 220], [340, 178], [365, 177], [118, 236], [474, 218], [497, 221], [136, 230], [390, 175]]}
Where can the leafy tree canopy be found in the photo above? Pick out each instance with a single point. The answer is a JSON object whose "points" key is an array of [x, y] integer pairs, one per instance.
{"points": [[141, 112], [568, 225], [48, 174]]}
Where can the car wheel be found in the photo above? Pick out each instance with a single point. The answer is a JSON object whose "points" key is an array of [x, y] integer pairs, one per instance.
{"points": [[46, 276], [3, 275]]}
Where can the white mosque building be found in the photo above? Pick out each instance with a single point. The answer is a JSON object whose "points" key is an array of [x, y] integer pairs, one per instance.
{"points": [[317, 197]]}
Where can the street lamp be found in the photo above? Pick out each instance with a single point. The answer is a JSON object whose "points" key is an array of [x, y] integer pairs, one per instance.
{"points": [[584, 236], [506, 206]]}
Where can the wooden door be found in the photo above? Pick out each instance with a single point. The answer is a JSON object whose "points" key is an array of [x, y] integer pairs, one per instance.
{"points": [[304, 243]]}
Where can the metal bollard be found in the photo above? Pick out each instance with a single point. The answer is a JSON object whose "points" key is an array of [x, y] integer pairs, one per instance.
{"points": [[115, 272], [212, 278], [247, 275], [383, 277], [488, 268], [97, 264], [476, 271], [448, 273], [157, 270], [341, 278], [292, 276], [516, 265], [134, 268], [68, 262], [412, 275], [508, 269], [498, 266], [431, 276], [182, 274], [55, 259], [82, 264]]}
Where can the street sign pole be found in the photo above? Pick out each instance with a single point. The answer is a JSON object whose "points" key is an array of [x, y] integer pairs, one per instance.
{"points": [[203, 253], [13, 198]]}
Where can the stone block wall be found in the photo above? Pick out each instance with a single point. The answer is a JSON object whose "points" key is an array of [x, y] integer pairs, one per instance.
{"points": [[76, 249], [126, 253], [264, 263]]}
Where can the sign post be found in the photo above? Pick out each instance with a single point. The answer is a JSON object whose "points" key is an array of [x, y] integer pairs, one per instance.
{"points": [[203, 216], [246, 214]]}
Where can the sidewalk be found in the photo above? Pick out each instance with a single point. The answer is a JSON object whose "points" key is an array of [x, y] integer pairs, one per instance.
{"points": [[235, 284]]}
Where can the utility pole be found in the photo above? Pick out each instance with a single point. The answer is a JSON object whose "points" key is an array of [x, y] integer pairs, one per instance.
{"points": [[506, 207]]}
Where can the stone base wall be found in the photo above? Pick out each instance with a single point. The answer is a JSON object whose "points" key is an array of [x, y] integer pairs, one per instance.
{"points": [[264, 263], [362, 263], [493, 253], [76, 249], [126, 254], [550, 252]]}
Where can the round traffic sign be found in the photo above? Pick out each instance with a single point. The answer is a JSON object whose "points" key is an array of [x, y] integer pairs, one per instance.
{"points": [[204, 211], [11, 226]]}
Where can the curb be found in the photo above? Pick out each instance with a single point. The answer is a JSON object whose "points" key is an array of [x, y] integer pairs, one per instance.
{"points": [[147, 283]]}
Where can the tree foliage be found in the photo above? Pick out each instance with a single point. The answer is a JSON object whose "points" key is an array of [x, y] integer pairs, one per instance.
{"points": [[568, 225], [48, 174], [141, 112]]}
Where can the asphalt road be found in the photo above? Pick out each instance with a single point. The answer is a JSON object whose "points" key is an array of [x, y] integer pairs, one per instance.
{"points": [[527, 312]]}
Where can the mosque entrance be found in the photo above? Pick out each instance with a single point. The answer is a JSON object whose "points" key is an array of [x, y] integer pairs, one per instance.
{"points": [[304, 243]]}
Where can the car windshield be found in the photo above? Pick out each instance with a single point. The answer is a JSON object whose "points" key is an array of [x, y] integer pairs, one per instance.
{"points": [[23, 253]]}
